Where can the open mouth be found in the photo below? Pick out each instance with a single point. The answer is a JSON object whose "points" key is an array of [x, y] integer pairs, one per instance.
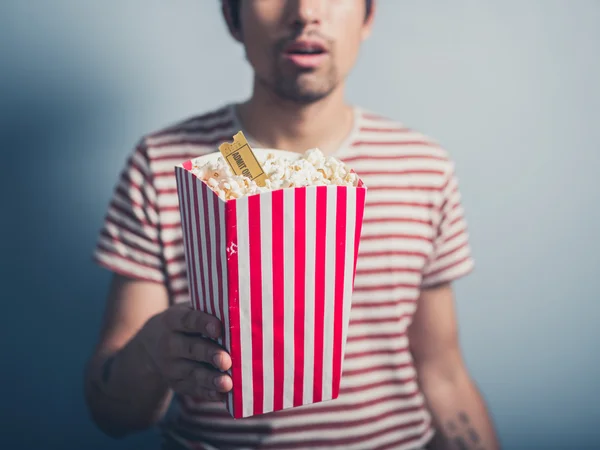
{"points": [[305, 48], [305, 51], [305, 55]]}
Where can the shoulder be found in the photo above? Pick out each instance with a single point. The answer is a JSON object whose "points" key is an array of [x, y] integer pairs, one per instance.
{"points": [[383, 144], [194, 133], [187, 138], [385, 133]]}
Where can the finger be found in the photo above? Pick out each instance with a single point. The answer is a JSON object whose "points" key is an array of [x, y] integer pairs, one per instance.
{"points": [[188, 320], [198, 349], [196, 379]]}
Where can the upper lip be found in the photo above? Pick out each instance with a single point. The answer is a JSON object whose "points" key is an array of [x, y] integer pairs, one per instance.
{"points": [[305, 44]]}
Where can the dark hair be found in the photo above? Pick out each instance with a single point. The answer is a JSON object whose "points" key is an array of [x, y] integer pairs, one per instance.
{"points": [[234, 7]]}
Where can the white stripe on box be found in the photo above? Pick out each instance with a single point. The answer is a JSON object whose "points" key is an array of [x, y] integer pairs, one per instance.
{"points": [[309, 317], [211, 197], [244, 304], [222, 248], [189, 240], [225, 280], [349, 267], [266, 230], [329, 293], [288, 315], [203, 239]]}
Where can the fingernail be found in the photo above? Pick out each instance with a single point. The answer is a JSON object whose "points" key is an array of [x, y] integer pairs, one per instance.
{"points": [[211, 328]]}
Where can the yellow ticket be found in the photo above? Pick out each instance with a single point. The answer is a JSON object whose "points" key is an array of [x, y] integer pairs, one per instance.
{"points": [[242, 159]]}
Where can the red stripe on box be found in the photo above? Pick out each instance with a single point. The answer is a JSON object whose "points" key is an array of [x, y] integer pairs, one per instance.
{"points": [[360, 211], [256, 315], [278, 300], [210, 297], [320, 251], [195, 200], [234, 308], [191, 265], [299, 291], [338, 314]]}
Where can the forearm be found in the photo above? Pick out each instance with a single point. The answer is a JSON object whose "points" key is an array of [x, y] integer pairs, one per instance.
{"points": [[123, 392], [460, 415]]}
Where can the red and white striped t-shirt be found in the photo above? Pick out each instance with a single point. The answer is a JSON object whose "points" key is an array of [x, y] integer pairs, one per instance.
{"points": [[414, 235]]}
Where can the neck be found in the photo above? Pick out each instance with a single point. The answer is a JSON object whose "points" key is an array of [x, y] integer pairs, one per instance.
{"points": [[281, 124]]}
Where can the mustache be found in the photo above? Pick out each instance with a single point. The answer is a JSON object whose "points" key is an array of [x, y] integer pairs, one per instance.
{"points": [[282, 43]]}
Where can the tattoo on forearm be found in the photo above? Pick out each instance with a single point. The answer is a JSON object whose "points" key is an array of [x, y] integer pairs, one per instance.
{"points": [[473, 435], [100, 384], [460, 443], [462, 435]]}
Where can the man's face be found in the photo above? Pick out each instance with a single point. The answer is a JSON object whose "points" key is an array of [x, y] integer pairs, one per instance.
{"points": [[302, 49]]}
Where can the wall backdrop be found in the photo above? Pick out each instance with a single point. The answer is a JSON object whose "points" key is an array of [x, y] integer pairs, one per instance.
{"points": [[510, 87]]}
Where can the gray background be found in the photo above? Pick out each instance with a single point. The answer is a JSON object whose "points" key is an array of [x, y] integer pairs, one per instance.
{"points": [[510, 87]]}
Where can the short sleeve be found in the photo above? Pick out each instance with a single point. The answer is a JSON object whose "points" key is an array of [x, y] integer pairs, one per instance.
{"points": [[129, 242], [451, 258]]}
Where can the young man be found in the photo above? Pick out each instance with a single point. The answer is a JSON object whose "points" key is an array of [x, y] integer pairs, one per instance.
{"points": [[403, 375]]}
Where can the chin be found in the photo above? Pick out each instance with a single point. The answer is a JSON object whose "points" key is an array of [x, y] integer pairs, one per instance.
{"points": [[310, 90], [304, 94]]}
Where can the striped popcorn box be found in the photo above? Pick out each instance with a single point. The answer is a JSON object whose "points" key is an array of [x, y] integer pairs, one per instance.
{"points": [[277, 269]]}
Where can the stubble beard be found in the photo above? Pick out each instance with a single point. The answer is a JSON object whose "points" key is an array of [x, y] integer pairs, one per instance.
{"points": [[301, 87], [296, 88]]}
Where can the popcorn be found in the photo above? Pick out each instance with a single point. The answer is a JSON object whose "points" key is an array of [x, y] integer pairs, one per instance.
{"points": [[311, 169]]}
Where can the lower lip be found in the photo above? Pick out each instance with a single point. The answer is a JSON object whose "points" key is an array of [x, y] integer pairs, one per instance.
{"points": [[306, 61]]}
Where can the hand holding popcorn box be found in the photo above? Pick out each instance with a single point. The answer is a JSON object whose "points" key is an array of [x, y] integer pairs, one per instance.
{"points": [[271, 240]]}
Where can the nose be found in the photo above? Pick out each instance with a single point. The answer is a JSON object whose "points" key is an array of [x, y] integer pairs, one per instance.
{"points": [[306, 12]]}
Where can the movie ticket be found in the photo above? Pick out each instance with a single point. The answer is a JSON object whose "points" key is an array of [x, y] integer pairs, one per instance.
{"points": [[242, 159]]}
